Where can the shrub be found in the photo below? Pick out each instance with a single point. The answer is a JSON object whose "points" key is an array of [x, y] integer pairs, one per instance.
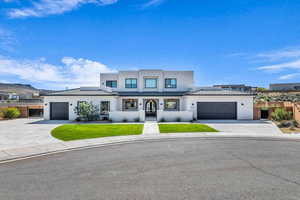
{"points": [[87, 111], [178, 119], [137, 119], [281, 114], [125, 120], [11, 113], [162, 120], [288, 124]]}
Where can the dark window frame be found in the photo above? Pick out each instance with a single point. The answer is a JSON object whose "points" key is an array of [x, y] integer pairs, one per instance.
{"points": [[170, 85], [131, 85], [108, 108], [136, 102], [170, 109], [111, 83], [156, 83]]}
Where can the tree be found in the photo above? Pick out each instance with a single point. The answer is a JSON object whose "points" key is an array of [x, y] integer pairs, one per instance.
{"points": [[87, 111]]}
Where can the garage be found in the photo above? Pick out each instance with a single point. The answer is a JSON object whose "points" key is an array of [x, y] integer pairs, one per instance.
{"points": [[59, 111], [217, 110]]}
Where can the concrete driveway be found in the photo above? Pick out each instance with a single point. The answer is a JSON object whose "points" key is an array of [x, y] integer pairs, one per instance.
{"points": [[20, 133], [254, 127]]}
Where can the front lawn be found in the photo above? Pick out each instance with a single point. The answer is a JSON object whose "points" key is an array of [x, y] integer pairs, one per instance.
{"points": [[69, 132], [185, 128]]}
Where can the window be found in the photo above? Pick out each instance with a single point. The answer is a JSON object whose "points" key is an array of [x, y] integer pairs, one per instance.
{"points": [[150, 83], [131, 83], [104, 107], [172, 104], [111, 84], [170, 83], [130, 104]]}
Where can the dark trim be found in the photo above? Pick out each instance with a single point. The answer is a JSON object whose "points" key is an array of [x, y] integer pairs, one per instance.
{"points": [[170, 87], [151, 94], [219, 95], [70, 95]]}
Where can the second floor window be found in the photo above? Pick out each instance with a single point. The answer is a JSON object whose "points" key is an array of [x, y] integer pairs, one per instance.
{"points": [[170, 83], [131, 83], [111, 84], [150, 83]]}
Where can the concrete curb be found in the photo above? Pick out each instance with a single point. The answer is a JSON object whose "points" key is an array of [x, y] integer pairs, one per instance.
{"points": [[11, 155]]}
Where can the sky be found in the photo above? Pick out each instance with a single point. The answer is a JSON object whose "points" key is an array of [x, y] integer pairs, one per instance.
{"points": [[58, 44]]}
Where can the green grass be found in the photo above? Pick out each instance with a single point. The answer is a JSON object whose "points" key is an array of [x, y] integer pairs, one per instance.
{"points": [[69, 132], [185, 128]]}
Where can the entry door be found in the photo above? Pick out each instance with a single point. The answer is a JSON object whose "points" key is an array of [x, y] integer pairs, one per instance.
{"points": [[217, 110], [59, 111], [151, 108]]}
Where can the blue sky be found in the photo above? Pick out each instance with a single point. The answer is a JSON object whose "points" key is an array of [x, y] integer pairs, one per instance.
{"points": [[66, 43]]}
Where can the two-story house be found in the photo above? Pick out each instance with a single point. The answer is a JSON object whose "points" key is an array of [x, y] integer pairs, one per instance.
{"points": [[151, 94]]}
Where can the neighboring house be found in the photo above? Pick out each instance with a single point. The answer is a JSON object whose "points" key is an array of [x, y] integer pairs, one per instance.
{"points": [[285, 87], [22, 96], [264, 110], [168, 95], [238, 87]]}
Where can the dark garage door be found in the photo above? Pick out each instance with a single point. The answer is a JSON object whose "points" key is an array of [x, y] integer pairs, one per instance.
{"points": [[59, 111], [217, 110]]}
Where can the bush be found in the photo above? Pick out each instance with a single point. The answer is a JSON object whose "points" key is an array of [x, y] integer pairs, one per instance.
{"points": [[87, 111], [125, 120], [281, 114], [137, 119], [11, 113], [288, 124], [178, 119], [162, 120]]}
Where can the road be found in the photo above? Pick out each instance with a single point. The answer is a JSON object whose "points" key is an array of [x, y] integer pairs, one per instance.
{"points": [[168, 169]]}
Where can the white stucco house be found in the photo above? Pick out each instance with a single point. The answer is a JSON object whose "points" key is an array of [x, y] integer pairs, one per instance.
{"points": [[158, 94]]}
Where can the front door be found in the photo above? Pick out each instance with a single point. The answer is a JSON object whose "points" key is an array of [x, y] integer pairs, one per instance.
{"points": [[150, 108]]}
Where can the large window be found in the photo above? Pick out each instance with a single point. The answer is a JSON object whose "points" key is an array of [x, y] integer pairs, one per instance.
{"points": [[150, 83], [130, 104], [111, 84], [104, 107], [171, 104], [170, 83], [131, 83]]}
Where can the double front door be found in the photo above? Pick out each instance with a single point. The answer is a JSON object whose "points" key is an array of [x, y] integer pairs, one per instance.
{"points": [[150, 108]]}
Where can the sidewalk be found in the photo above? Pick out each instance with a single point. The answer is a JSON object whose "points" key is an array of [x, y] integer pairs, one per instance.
{"points": [[13, 154]]}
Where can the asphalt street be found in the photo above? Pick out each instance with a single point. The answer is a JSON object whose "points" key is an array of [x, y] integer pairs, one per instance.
{"points": [[195, 168]]}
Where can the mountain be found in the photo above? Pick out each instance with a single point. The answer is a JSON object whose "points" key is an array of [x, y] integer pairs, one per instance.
{"points": [[22, 89]]}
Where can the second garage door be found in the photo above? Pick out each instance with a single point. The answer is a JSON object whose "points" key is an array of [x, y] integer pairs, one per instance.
{"points": [[59, 111], [217, 110]]}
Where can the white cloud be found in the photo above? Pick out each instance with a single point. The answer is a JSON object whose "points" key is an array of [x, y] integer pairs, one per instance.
{"points": [[289, 76], [286, 60], [281, 66], [152, 3], [42, 8], [72, 73], [280, 54]]}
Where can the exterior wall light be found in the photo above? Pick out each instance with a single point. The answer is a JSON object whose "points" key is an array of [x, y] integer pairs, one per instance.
{"points": [[242, 104], [71, 104], [46, 104]]}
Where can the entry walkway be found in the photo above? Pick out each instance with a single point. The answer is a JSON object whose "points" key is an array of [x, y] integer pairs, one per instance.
{"points": [[151, 128]]}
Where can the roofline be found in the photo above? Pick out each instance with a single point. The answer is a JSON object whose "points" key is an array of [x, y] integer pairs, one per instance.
{"points": [[219, 95], [70, 95]]}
